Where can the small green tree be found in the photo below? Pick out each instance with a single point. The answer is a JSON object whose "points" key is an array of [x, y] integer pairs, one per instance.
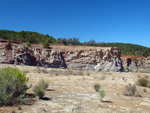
{"points": [[97, 86], [102, 94], [64, 41], [46, 44], [91, 43], [146, 53], [59, 41], [28, 43]]}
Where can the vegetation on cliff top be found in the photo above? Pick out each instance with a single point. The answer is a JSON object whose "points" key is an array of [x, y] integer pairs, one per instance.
{"points": [[34, 37]]}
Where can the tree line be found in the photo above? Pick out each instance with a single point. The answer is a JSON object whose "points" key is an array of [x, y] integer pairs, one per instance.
{"points": [[34, 37]]}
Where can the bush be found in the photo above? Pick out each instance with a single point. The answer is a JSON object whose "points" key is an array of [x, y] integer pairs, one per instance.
{"points": [[13, 85], [97, 87], [43, 84], [28, 43], [130, 90], [144, 89], [142, 82], [102, 94], [46, 44], [40, 88], [39, 91]]}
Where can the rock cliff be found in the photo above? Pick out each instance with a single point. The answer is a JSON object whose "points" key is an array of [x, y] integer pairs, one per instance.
{"points": [[136, 63], [71, 57]]}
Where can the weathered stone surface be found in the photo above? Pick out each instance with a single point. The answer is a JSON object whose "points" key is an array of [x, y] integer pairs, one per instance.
{"points": [[135, 63], [71, 57]]}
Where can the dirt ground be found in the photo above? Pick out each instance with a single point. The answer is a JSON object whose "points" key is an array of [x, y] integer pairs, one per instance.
{"points": [[72, 91]]}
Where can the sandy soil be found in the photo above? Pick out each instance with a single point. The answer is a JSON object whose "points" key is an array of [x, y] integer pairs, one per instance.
{"points": [[72, 91]]}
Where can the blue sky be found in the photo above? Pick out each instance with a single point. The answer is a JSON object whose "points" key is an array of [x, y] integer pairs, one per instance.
{"points": [[126, 21]]}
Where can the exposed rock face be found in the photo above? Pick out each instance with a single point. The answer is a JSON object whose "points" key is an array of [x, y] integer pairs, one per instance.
{"points": [[14, 53], [136, 63], [105, 59], [72, 57]]}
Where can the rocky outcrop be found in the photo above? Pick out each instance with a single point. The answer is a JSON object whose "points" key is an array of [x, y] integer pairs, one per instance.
{"points": [[136, 63], [18, 54], [71, 57], [100, 59]]}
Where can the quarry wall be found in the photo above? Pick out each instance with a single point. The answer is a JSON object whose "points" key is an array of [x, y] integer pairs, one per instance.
{"points": [[72, 57]]}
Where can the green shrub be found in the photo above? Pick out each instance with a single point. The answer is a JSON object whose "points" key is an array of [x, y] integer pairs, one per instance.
{"points": [[144, 90], [13, 85], [97, 87], [40, 88], [43, 84], [46, 44], [143, 82], [102, 94], [28, 43], [130, 90], [39, 91]]}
